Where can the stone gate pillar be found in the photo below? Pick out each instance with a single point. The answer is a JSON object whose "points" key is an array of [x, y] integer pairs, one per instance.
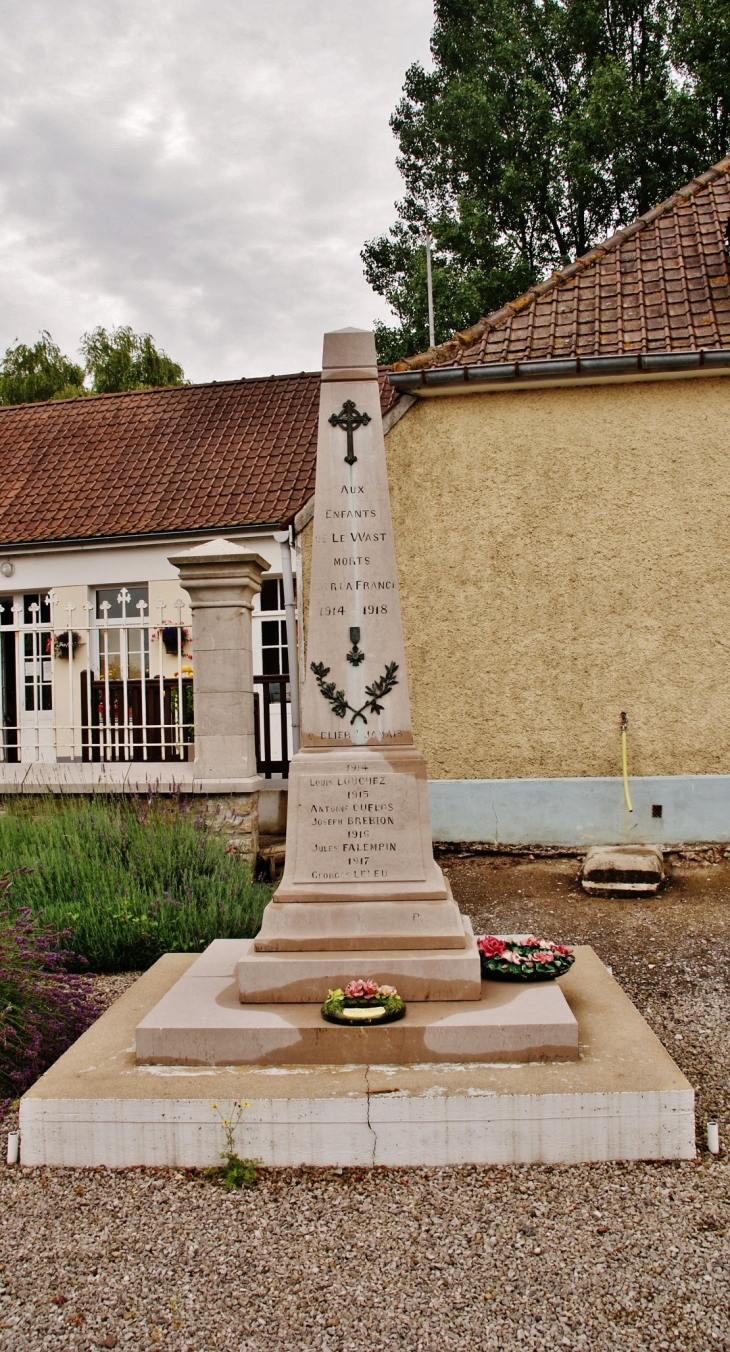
{"points": [[222, 578]]}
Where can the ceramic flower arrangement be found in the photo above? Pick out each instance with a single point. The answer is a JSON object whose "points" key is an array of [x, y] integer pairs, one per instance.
{"points": [[523, 958], [363, 1002]]}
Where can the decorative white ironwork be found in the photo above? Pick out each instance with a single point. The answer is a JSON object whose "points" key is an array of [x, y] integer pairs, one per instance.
{"points": [[101, 689]]}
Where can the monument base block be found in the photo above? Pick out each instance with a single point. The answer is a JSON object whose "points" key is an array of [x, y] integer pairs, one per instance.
{"points": [[201, 1021], [307, 978], [349, 926]]}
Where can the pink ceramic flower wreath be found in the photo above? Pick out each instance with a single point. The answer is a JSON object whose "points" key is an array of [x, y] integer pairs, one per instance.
{"points": [[362, 1002], [523, 958]]}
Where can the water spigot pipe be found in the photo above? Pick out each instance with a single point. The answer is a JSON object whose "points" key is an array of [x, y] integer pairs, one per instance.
{"points": [[625, 761]]}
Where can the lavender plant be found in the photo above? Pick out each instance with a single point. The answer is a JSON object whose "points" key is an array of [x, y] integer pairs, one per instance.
{"points": [[128, 880], [43, 1006]]}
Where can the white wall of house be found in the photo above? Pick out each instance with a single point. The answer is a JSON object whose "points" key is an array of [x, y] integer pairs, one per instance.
{"points": [[96, 565], [74, 574]]}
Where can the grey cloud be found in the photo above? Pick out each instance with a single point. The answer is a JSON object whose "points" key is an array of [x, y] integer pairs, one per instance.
{"points": [[203, 169]]}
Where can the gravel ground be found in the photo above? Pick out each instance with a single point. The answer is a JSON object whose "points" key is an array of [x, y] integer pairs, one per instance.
{"points": [[109, 987], [616, 1257], [670, 953]]}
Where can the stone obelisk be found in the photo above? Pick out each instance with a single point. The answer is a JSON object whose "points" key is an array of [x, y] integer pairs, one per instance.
{"points": [[360, 872]]}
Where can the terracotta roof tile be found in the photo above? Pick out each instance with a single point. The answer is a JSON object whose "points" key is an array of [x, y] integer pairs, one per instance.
{"points": [[194, 457], [661, 284]]}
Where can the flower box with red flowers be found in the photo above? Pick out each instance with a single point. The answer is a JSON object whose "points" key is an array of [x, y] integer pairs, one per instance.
{"points": [[362, 1003], [523, 958]]}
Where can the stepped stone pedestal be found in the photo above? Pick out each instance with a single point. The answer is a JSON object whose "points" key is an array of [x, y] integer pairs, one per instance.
{"points": [[201, 1022], [622, 1098], [307, 977]]}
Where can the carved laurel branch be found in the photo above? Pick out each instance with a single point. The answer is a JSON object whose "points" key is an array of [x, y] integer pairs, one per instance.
{"points": [[340, 707]]}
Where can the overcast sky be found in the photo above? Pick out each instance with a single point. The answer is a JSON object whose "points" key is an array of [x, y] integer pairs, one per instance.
{"points": [[205, 170]]}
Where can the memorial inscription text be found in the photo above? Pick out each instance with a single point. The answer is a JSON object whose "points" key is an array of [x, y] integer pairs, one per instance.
{"points": [[357, 825]]}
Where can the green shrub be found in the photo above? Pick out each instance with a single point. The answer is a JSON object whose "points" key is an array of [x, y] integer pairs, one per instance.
{"points": [[127, 879]]}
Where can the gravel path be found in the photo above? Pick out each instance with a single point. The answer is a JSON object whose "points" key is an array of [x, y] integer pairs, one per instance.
{"points": [[591, 1257], [600, 1257]]}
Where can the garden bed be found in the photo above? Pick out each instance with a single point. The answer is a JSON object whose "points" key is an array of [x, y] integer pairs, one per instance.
{"points": [[102, 885]]}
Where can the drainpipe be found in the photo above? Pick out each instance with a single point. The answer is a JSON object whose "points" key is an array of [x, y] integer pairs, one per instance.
{"points": [[282, 536]]}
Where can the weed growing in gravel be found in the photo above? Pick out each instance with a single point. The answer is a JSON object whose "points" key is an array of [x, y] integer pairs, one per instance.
{"points": [[128, 879], [43, 1007], [236, 1172]]}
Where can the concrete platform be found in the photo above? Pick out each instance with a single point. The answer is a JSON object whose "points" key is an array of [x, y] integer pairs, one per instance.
{"points": [[623, 1099], [307, 978]]}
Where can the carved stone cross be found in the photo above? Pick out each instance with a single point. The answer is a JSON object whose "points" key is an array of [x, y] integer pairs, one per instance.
{"points": [[349, 419]]}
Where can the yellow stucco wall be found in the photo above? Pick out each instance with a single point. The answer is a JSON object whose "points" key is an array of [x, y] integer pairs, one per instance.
{"points": [[564, 554]]}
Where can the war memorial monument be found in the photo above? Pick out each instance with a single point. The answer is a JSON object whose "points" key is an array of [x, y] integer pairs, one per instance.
{"points": [[477, 1070]]}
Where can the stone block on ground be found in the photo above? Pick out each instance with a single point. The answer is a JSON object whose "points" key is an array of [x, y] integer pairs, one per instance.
{"points": [[623, 870]]}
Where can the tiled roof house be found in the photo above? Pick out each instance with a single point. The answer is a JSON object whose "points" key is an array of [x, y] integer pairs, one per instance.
{"points": [[561, 494], [190, 459], [659, 286], [96, 495], [184, 459]]}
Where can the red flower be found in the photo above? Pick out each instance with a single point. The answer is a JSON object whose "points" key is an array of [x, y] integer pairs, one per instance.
{"points": [[490, 946]]}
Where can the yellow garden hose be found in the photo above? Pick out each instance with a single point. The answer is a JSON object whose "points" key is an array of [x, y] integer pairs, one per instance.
{"points": [[625, 761]]}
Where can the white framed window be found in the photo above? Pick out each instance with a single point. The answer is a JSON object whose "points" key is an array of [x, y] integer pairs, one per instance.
{"points": [[123, 640], [271, 655], [37, 662]]}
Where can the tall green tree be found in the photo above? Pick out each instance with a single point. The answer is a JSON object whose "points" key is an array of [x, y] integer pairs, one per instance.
{"points": [[123, 360], [543, 126], [701, 47], [31, 374]]}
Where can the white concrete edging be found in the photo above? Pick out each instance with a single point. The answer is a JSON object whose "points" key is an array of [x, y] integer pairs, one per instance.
{"points": [[393, 1129]]}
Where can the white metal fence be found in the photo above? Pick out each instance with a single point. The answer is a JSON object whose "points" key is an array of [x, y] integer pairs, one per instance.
{"points": [[79, 683]]}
